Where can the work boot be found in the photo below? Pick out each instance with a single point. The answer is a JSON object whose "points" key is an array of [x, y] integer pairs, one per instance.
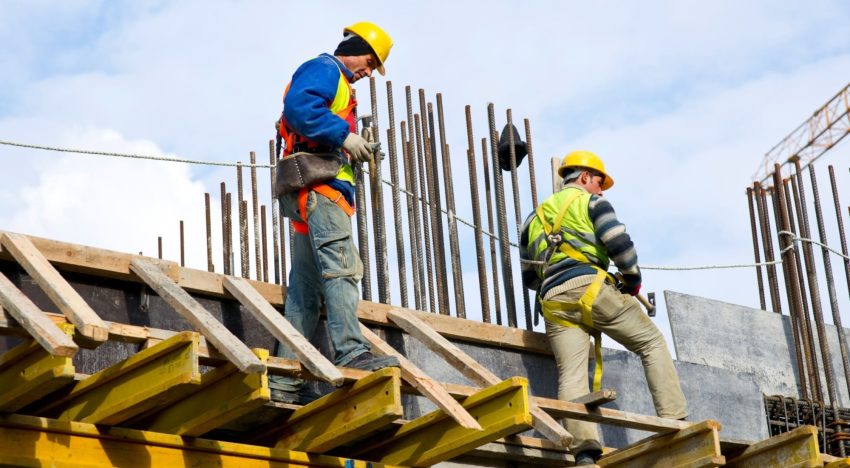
{"points": [[587, 457], [369, 362]]}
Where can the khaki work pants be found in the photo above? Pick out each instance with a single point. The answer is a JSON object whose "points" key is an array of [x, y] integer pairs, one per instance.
{"points": [[621, 317]]}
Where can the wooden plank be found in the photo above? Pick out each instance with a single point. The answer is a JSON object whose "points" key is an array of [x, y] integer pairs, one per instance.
{"points": [[413, 375], [605, 395], [42, 329], [70, 303], [835, 462], [501, 410], [151, 378], [28, 373], [200, 318], [345, 415], [795, 448], [281, 329], [473, 370], [224, 395], [49, 442], [696, 446]]}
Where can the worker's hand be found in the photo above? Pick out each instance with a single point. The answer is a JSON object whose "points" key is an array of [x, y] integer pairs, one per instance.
{"points": [[359, 149], [629, 284]]}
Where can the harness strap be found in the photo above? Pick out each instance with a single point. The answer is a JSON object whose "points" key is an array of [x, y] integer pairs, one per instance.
{"points": [[327, 191]]}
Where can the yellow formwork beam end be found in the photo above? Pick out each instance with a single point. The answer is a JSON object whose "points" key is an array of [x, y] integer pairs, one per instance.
{"points": [[225, 394], [798, 447], [151, 378], [28, 373], [697, 445], [501, 410], [346, 414]]}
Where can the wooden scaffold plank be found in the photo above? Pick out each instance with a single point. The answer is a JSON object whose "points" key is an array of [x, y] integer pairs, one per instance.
{"points": [[89, 325], [696, 446], [427, 386], [345, 415], [41, 328], [281, 329], [795, 448], [151, 378], [473, 370], [31, 441], [28, 373], [223, 395], [501, 410], [215, 332]]}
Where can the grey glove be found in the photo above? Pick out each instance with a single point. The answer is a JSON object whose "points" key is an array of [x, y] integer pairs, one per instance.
{"points": [[358, 148]]}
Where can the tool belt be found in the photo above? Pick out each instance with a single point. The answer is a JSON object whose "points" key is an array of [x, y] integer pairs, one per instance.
{"points": [[299, 170]]}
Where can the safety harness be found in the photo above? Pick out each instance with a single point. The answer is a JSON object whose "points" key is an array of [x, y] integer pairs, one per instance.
{"points": [[585, 303]]}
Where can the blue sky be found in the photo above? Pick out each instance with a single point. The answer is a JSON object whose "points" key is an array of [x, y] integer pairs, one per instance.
{"points": [[681, 100]]}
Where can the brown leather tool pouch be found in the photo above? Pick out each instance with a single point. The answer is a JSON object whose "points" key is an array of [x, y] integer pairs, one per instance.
{"points": [[299, 170]]}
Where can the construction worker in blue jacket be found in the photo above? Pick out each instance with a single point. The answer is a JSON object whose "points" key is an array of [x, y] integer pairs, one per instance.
{"points": [[318, 117], [566, 246]]}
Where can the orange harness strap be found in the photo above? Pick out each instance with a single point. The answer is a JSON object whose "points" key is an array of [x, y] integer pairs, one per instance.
{"points": [[322, 189]]}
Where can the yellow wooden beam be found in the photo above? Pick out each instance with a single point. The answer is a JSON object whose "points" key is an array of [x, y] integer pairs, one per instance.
{"points": [[840, 463], [695, 446], [151, 378], [224, 395], [796, 448], [346, 414], [32, 441], [501, 410], [28, 373]]}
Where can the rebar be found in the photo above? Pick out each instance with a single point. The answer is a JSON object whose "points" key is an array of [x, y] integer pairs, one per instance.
{"points": [[413, 188], [275, 216], [476, 219], [504, 247], [801, 258], [531, 173], [209, 232], [243, 228], [767, 242], [159, 247], [497, 301], [379, 226], [255, 211], [399, 230], [429, 145], [517, 209], [756, 248], [362, 225], [282, 222], [229, 229], [830, 281], [264, 243], [182, 246], [224, 237], [426, 207], [415, 254], [457, 269]]}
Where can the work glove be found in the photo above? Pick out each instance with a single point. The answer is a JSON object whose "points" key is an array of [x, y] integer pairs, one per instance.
{"points": [[358, 148], [629, 283]]}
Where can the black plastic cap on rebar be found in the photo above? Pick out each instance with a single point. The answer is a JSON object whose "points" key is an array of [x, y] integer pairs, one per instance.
{"points": [[520, 147]]}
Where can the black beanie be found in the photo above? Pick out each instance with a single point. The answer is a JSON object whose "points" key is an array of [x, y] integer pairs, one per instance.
{"points": [[353, 45]]}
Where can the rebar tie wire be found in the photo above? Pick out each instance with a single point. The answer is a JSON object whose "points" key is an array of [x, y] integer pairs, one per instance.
{"points": [[795, 239]]}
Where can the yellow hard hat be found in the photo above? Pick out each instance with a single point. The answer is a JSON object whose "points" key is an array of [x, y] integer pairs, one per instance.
{"points": [[587, 160], [377, 38]]}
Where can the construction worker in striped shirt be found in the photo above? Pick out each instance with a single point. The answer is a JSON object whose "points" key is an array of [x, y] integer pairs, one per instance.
{"points": [[318, 118], [566, 246]]}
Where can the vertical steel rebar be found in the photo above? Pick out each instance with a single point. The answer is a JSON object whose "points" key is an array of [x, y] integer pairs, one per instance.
{"points": [[504, 246], [255, 211], [426, 207], [814, 287], [209, 232], [806, 256], [362, 224], [531, 173], [224, 238], [284, 227], [379, 226], [476, 219], [413, 188], [457, 268], [243, 228], [229, 229], [274, 214], [265, 244], [415, 255], [397, 218], [756, 248], [429, 145], [497, 301], [830, 281], [159, 247], [517, 209], [182, 246], [767, 242]]}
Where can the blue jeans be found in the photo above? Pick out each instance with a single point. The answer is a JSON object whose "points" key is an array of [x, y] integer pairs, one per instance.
{"points": [[325, 266]]}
